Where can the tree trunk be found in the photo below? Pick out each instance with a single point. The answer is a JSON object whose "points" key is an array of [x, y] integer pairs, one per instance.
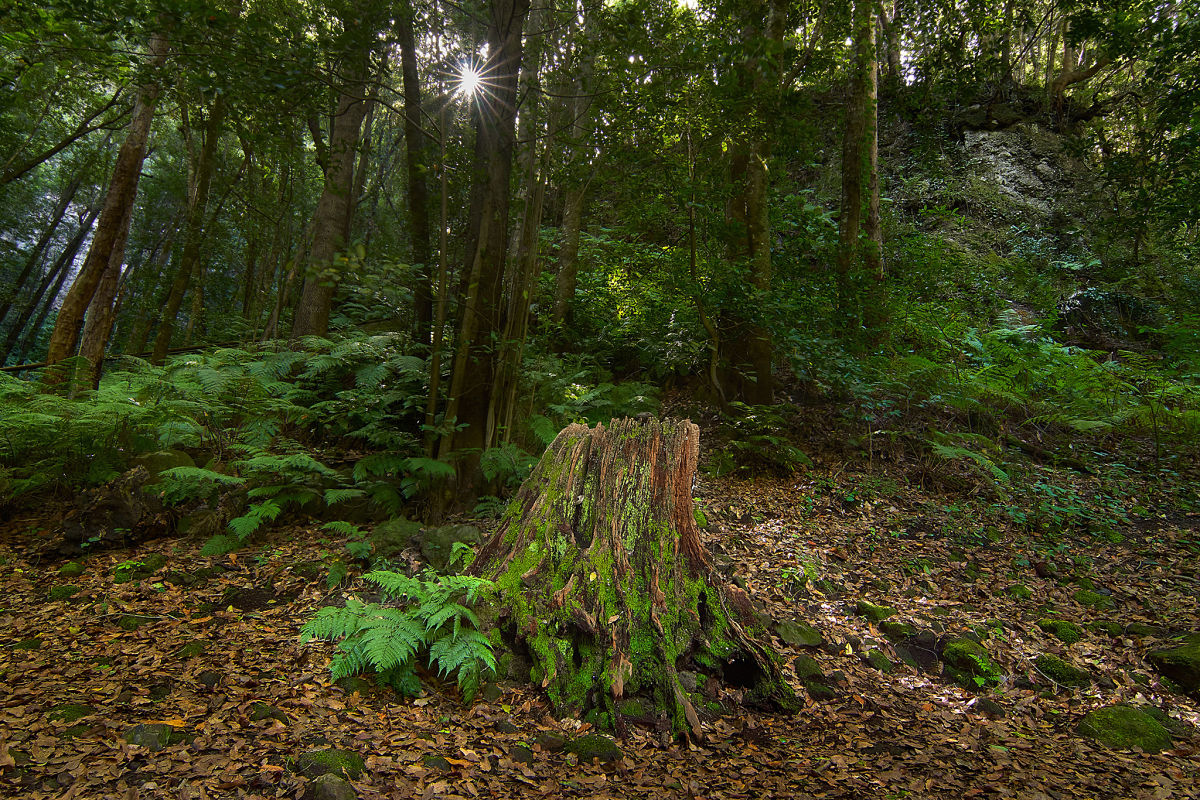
{"points": [[495, 119], [35, 255], [57, 275], [603, 578], [122, 191], [101, 314], [335, 209], [193, 236], [418, 191], [568, 253]]}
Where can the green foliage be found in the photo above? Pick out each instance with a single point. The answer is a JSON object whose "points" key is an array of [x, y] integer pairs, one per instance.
{"points": [[184, 484], [431, 615], [757, 439]]}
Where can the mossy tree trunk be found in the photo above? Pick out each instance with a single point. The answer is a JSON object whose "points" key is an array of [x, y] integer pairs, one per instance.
{"points": [[603, 577]]}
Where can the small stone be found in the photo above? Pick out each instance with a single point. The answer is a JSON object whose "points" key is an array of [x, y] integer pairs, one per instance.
{"points": [[329, 787], [63, 592], [131, 622], [797, 634], [522, 755], [990, 708], [71, 569], [1141, 629], [354, 683], [1094, 600], [343, 763], [491, 692], [504, 726], [873, 612], [1105, 626], [29, 644], [1062, 673], [878, 660], [70, 712], [1067, 632], [153, 736], [1020, 591], [1180, 664], [209, 678], [192, 649], [261, 711], [1125, 727], [595, 746], [437, 762], [897, 631], [550, 741]]}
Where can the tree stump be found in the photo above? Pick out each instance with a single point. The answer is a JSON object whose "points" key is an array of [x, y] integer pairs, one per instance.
{"points": [[602, 577]]}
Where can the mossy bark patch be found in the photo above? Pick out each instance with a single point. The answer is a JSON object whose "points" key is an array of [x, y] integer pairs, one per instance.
{"points": [[1062, 673], [603, 579], [1125, 727], [1180, 664], [342, 763]]}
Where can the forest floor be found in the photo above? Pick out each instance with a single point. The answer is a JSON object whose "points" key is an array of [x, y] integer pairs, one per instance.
{"points": [[220, 662]]}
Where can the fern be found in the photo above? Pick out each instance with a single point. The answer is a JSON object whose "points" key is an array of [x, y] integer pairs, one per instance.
{"points": [[433, 617]]}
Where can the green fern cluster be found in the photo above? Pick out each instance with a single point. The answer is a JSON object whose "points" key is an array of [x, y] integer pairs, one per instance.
{"points": [[429, 616]]}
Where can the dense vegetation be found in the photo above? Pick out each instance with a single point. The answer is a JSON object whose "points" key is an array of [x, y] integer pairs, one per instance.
{"points": [[353, 263]]}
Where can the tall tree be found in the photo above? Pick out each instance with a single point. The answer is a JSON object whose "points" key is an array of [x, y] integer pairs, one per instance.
{"points": [[122, 191], [416, 148], [860, 154]]}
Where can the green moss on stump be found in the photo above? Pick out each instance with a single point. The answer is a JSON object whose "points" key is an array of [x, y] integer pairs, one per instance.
{"points": [[63, 592], [1124, 727], [1180, 664], [1061, 629], [343, 763], [1093, 600], [873, 612], [595, 746], [1061, 672]]}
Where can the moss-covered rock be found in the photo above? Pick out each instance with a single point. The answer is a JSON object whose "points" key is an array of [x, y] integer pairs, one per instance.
{"points": [[71, 569], [354, 683], [159, 462], [897, 631], [29, 644], [437, 762], [261, 711], [990, 708], [798, 634], [131, 622], [1020, 591], [393, 536], [879, 660], [329, 787], [1141, 629], [1061, 629], [343, 763], [192, 649], [137, 569], [63, 591], [437, 544], [873, 612], [818, 686], [70, 712], [1180, 664], [1094, 600], [1107, 627], [969, 664], [595, 746], [1125, 727], [1062, 673], [550, 741], [151, 735]]}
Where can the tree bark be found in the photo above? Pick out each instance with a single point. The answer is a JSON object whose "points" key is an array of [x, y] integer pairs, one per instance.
{"points": [[495, 117], [193, 236], [335, 210], [418, 190], [122, 191], [603, 579], [860, 156], [57, 275], [35, 254], [101, 314], [568, 253]]}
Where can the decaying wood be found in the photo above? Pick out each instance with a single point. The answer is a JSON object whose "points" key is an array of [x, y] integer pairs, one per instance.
{"points": [[604, 579]]}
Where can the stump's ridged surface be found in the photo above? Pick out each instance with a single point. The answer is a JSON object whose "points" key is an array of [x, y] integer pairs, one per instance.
{"points": [[603, 577]]}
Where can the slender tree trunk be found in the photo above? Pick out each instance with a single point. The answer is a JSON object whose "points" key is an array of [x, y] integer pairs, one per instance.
{"points": [[335, 210], [13, 170], [57, 275], [568, 253], [194, 233], [872, 227], [35, 254], [475, 366], [101, 314], [122, 191], [418, 190]]}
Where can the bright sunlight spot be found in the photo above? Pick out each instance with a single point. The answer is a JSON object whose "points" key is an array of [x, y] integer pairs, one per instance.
{"points": [[469, 80]]}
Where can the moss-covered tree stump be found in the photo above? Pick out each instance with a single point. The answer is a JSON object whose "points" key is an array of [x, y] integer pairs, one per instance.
{"points": [[602, 576]]}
